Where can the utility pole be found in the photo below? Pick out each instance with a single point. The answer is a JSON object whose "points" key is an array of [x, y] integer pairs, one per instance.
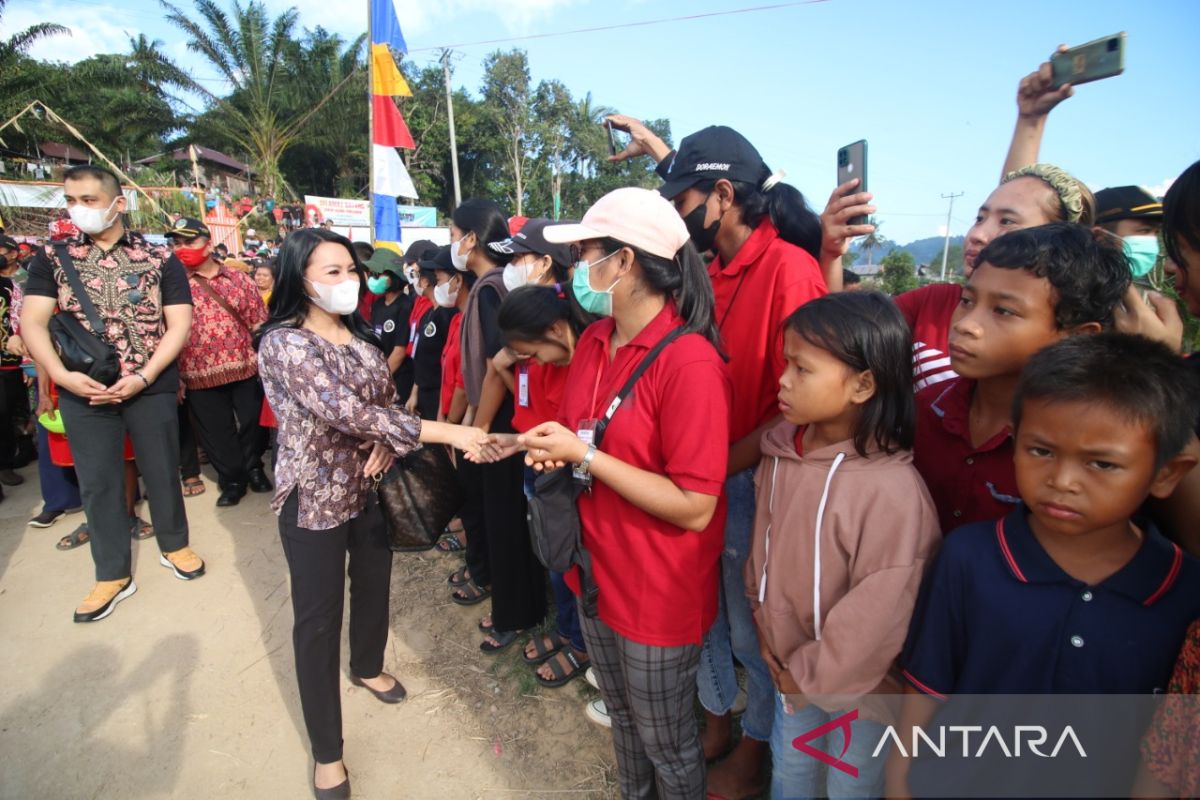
{"points": [[946, 246], [450, 119]]}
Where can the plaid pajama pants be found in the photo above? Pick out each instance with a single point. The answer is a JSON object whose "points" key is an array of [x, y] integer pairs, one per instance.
{"points": [[649, 692]]}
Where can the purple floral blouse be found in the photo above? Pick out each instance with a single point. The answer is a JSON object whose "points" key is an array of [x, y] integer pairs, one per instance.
{"points": [[328, 400]]}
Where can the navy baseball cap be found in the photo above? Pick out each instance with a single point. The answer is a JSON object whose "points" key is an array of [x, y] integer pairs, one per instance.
{"points": [[1127, 202], [419, 250], [437, 260], [709, 155], [532, 239]]}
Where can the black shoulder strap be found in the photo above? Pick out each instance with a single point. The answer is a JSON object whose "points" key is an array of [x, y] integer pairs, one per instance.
{"points": [[85, 302], [628, 387]]}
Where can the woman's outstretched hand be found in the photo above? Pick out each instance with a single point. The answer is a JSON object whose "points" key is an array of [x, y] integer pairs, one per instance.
{"points": [[642, 140], [499, 447]]}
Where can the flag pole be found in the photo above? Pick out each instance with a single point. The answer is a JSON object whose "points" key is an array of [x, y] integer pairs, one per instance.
{"points": [[370, 123]]}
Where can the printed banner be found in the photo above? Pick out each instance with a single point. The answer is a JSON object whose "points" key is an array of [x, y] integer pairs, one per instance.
{"points": [[340, 211], [418, 217]]}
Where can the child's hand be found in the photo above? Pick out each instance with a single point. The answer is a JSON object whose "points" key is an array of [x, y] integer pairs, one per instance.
{"points": [[786, 683]]}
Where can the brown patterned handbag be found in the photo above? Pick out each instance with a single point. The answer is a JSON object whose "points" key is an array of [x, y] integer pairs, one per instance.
{"points": [[419, 496]]}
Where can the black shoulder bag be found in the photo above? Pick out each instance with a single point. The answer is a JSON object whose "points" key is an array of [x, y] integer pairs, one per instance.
{"points": [[554, 527], [79, 349]]}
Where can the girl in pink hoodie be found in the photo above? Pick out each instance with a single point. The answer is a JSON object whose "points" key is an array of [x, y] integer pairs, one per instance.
{"points": [[843, 531]]}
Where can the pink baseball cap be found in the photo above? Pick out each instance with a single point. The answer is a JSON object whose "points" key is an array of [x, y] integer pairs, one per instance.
{"points": [[641, 218]]}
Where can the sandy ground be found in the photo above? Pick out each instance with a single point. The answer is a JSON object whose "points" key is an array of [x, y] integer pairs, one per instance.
{"points": [[188, 688]]}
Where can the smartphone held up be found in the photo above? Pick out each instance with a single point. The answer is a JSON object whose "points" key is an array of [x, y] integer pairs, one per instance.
{"points": [[852, 163], [1098, 59]]}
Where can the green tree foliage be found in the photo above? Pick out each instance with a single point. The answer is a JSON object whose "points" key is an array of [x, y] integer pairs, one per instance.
{"points": [[899, 272]]}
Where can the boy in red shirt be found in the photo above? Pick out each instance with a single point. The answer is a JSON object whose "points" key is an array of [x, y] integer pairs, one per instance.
{"points": [[1030, 288]]}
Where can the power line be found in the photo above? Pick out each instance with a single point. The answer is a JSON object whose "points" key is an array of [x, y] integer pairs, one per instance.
{"points": [[621, 26]]}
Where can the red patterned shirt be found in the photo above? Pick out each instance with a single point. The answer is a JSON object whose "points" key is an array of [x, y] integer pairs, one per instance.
{"points": [[220, 350]]}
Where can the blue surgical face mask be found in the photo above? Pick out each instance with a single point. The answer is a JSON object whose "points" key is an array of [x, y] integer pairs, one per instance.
{"points": [[1142, 252], [592, 300], [378, 284]]}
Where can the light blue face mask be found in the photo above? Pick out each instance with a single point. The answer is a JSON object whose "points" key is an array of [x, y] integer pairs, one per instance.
{"points": [[1142, 252], [591, 300], [378, 284]]}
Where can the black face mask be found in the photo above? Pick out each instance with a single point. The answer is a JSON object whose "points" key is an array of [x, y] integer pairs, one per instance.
{"points": [[703, 238]]}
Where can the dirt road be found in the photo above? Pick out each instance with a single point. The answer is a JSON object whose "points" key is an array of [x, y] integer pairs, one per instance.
{"points": [[188, 689]]}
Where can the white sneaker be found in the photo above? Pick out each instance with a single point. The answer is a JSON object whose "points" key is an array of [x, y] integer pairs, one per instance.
{"points": [[597, 712], [590, 677], [739, 703]]}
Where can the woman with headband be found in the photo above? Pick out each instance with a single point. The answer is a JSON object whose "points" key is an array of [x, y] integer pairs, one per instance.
{"points": [[767, 241]]}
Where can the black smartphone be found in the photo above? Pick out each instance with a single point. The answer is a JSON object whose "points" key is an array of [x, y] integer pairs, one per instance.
{"points": [[1102, 58], [612, 138], [852, 163]]}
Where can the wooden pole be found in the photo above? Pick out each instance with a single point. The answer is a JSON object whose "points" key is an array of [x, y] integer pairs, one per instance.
{"points": [[371, 123]]}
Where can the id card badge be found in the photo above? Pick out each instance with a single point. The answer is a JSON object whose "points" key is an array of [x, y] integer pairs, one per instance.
{"points": [[587, 434], [523, 387]]}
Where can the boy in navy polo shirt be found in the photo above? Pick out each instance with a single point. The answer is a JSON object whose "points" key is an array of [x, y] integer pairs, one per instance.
{"points": [[1069, 593], [1030, 288]]}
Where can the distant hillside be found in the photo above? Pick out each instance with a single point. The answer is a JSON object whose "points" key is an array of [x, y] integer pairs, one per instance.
{"points": [[923, 251]]}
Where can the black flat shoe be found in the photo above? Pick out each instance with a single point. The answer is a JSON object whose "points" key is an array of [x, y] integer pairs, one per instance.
{"points": [[392, 695], [259, 482], [231, 496], [339, 792]]}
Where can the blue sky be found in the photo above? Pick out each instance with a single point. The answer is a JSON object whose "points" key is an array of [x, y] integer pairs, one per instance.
{"points": [[930, 84]]}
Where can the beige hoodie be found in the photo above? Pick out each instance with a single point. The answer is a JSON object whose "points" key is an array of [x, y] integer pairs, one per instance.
{"points": [[878, 530]]}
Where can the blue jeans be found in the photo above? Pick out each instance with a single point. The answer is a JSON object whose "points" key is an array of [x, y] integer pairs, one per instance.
{"points": [[796, 774], [60, 488], [566, 610], [733, 633]]}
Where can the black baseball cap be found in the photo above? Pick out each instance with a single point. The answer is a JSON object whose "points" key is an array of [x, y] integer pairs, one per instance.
{"points": [[532, 239], [188, 228], [709, 155], [9, 243], [418, 250], [438, 260], [1127, 202]]}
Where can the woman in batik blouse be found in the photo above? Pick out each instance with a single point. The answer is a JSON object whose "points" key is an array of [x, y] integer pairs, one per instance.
{"points": [[328, 383]]}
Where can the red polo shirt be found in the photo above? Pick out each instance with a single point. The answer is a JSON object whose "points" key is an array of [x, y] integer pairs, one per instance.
{"points": [[766, 281], [538, 395], [967, 483], [658, 582], [421, 304], [451, 363], [928, 311]]}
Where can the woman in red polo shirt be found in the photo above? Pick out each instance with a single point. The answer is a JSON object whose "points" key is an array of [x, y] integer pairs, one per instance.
{"points": [[651, 520], [766, 241]]}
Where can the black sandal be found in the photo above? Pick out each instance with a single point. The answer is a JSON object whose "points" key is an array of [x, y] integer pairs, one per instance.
{"points": [[469, 594], [74, 539], [459, 577], [561, 675], [542, 650], [505, 640], [450, 544]]}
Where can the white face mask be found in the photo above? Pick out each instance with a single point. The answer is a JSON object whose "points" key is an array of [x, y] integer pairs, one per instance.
{"points": [[459, 261], [336, 298], [93, 220], [518, 275], [443, 296]]}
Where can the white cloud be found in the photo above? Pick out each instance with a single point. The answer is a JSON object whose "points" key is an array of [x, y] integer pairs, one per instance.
{"points": [[94, 29], [1159, 189], [941, 230]]}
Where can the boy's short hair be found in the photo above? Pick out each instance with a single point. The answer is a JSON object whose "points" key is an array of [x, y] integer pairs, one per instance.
{"points": [[1140, 379], [1088, 275]]}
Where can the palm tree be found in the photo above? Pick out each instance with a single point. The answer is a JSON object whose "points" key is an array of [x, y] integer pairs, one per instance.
{"points": [[19, 43], [872, 240], [252, 54]]}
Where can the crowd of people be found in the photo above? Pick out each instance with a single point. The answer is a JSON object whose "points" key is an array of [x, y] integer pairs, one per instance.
{"points": [[983, 487]]}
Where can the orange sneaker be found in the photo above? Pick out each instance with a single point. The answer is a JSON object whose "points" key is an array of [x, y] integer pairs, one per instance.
{"points": [[103, 599], [184, 563]]}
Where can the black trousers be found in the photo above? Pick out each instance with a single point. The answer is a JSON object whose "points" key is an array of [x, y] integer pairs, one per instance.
{"points": [[428, 402], [96, 435], [189, 459], [317, 565], [518, 579], [470, 476], [227, 426], [14, 413]]}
